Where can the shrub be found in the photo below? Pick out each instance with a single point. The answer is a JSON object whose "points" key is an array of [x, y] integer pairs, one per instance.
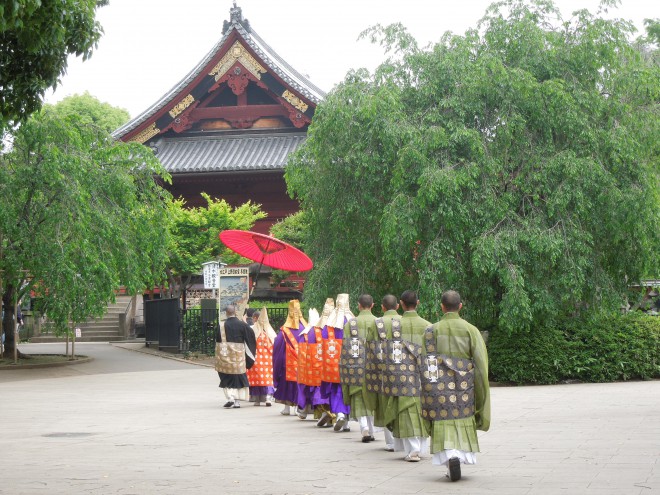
{"points": [[600, 347], [528, 357], [616, 347]]}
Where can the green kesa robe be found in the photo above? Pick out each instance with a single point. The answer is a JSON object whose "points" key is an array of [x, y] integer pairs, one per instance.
{"points": [[402, 415], [355, 396], [375, 401], [456, 337]]}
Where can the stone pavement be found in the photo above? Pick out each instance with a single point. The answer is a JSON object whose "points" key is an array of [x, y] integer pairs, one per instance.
{"points": [[133, 423]]}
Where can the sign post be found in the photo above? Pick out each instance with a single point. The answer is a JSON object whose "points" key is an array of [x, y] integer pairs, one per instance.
{"points": [[234, 289]]}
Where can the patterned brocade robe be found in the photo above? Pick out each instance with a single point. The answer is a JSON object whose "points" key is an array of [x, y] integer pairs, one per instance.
{"points": [[457, 338], [377, 402], [239, 332], [261, 374], [285, 365], [310, 365], [354, 395], [401, 415]]}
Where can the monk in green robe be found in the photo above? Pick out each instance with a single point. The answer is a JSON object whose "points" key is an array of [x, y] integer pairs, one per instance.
{"points": [[378, 401], [353, 366], [402, 414], [455, 348]]}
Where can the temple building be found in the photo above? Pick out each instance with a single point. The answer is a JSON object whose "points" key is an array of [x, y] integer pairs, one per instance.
{"points": [[228, 127]]}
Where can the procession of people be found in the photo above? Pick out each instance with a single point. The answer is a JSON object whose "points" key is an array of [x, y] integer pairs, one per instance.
{"points": [[425, 386]]}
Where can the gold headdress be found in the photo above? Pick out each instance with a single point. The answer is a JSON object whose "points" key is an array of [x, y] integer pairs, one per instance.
{"points": [[295, 317]]}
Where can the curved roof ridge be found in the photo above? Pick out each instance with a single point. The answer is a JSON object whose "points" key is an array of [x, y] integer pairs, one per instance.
{"points": [[297, 81], [306, 87]]}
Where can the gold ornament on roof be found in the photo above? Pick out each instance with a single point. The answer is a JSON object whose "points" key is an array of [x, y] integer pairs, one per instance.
{"points": [[146, 134], [295, 101], [181, 106], [237, 53]]}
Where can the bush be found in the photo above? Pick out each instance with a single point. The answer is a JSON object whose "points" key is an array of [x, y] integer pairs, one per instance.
{"points": [[595, 348], [528, 357]]}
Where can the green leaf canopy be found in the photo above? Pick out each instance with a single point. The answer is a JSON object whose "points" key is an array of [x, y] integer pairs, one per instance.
{"points": [[80, 215], [517, 164]]}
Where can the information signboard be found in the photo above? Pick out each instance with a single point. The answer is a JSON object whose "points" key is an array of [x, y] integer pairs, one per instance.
{"points": [[234, 289], [210, 271]]}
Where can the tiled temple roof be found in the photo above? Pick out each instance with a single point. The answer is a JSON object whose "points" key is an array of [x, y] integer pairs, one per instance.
{"points": [[242, 152]]}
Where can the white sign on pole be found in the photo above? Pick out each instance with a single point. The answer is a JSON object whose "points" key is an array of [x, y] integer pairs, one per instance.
{"points": [[211, 277], [78, 333]]}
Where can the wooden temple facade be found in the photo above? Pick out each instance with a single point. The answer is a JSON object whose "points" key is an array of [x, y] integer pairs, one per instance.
{"points": [[228, 127]]}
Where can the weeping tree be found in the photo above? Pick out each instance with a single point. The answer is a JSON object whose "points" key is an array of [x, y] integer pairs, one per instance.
{"points": [[517, 164], [80, 215]]}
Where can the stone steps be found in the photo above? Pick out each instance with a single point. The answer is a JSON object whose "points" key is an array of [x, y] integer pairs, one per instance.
{"points": [[104, 329]]}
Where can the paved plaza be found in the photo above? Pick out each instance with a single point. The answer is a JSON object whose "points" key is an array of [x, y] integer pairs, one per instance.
{"points": [[132, 423]]}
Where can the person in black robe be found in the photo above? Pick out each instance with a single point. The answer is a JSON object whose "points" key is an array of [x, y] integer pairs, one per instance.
{"points": [[236, 386]]}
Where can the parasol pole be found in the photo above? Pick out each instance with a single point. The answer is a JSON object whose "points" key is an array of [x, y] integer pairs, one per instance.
{"points": [[261, 263]]}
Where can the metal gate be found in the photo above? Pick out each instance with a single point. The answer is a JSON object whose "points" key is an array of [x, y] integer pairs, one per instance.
{"points": [[199, 329], [162, 324], [201, 325]]}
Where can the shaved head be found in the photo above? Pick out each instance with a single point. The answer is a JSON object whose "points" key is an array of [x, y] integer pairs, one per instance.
{"points": [[389, 302], [451, 300], [409, 299]]}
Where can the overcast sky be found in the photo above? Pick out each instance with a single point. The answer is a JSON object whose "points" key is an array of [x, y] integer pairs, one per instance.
{"points": [[150, 45]]}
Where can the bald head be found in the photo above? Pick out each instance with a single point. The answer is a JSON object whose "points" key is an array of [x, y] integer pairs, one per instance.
{"points": [[230, 311], [451, 301], [389, 302], [365, 301], [409, 300]]}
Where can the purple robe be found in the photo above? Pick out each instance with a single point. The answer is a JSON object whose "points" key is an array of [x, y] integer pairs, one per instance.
{"points": [[261, 391], [332, 391], [309, 395], [286, 391]]}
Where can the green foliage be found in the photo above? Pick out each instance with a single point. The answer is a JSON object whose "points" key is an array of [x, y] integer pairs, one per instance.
{"points": [[91, 110], [517, 164], [35, 39], [80, 215], [522, 357], [193, 236], [292, 230], [653, 30], [596, 348]]}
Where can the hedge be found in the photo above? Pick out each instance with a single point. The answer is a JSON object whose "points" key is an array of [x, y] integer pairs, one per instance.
{"points": [[596, 348]]}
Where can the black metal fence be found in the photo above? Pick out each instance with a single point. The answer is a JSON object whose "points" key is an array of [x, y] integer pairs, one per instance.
{"points": [[199, 327], [277, 317]]}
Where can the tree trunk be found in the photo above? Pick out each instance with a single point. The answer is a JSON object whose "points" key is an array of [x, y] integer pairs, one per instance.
{"points": [[9, 322]]}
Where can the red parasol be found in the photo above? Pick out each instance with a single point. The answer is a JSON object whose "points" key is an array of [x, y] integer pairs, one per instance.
{"points": [[266, 250]]}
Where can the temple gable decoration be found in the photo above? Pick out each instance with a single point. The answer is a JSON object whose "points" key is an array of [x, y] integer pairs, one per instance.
{"points": [[266, 92], [228, 127]]}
